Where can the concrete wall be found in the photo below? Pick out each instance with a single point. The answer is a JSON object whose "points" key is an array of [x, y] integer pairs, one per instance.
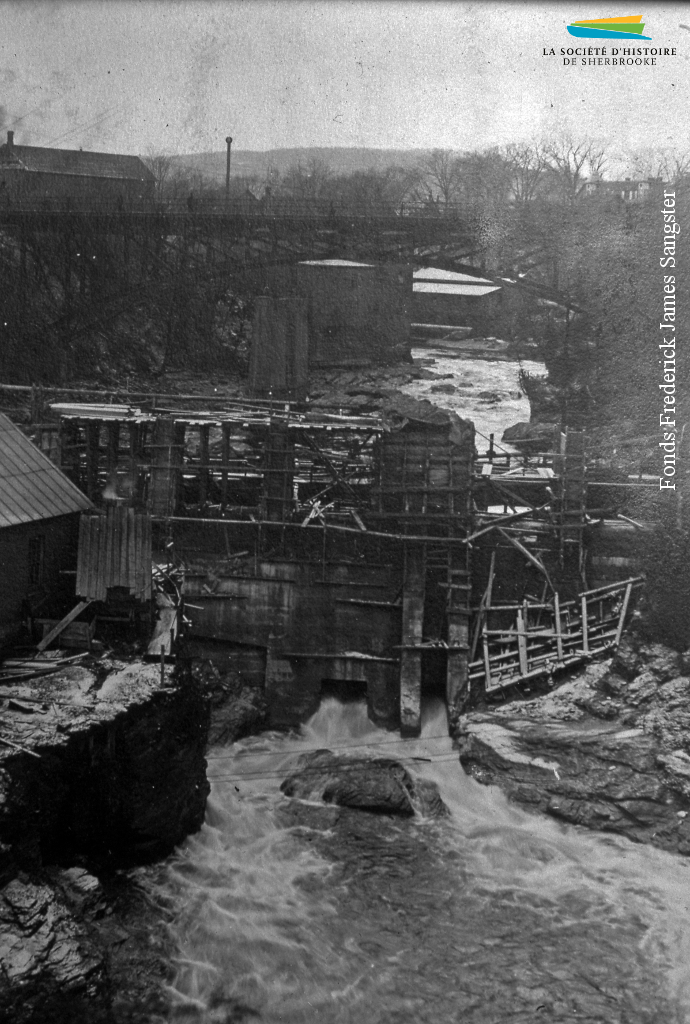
{"points": [[357, 315], [279, 361], [60, 536], [312, 630]]}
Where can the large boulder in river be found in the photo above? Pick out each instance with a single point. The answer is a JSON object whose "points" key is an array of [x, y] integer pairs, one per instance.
{"points": [[371, 784], [528, 433]]}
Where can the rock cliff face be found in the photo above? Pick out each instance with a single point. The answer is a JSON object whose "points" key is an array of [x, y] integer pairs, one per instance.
{"points": [[106, 767], [237, 707], [609, 749]]}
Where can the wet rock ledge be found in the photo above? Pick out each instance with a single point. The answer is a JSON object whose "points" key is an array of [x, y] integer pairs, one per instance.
{"points": [[101, 768], [609, 749]]}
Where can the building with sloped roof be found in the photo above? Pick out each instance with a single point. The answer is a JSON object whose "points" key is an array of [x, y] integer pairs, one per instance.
{"points": [[452, 297], [39, 528], [37, 174]]}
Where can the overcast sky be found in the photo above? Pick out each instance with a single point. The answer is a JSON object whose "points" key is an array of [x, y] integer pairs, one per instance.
{"points": [[177, 76]]}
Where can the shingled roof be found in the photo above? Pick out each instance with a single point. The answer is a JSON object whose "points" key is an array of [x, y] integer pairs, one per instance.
{"points": [[74, 162], [31, 486]]}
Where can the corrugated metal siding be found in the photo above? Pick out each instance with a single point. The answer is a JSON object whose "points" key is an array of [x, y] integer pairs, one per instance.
{"points": [[31, 486], [114, 551]]}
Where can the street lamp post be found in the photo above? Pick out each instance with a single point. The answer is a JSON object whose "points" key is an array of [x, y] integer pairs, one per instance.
{"points": [[228, 141]]}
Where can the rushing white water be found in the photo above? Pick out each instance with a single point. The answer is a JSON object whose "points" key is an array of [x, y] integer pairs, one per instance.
{"points": [[287, 924], [473, 378]]}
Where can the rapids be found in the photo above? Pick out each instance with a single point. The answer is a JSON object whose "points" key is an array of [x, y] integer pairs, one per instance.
{"points": [[486, 392], [490, 915]]}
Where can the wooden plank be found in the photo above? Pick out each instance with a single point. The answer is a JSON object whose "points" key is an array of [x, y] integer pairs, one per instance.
{"points": [[112, 451], [557, 624], [204, 475], [91, 556], [108, 578], [83, 549], [585, 636], [146, 560], [484, 605], [512, 517], [487, 662], [62, 624], [92, 457], [412, 623], [225, 459], [521, 642], [528, 555], [123, 549], [619, 584], [99, 584], [105, 566], [114, 525], [624, 612], [138, 578], [131, 554]]}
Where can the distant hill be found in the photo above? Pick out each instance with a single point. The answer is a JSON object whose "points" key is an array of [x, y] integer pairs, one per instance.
{"points": [[248, 163]]}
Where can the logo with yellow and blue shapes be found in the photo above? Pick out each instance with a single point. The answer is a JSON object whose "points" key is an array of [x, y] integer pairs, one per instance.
{"points": [[630, 28]]}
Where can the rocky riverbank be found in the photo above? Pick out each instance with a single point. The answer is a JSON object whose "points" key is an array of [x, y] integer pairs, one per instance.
{"points": [[101, 768], [609, 749]]}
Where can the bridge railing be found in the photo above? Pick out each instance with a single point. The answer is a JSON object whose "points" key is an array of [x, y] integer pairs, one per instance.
{"points": [[214, 206]]}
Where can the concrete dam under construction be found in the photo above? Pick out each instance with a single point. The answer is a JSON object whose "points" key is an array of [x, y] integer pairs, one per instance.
{"points": [[374, 552]]}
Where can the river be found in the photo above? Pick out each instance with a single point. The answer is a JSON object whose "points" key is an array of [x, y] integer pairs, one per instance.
{"points": [[491, 915], [486, 392], [285, 915]]}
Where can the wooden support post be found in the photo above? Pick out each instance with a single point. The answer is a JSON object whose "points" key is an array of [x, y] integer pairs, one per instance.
{"points": [[522, 639], [488, 684], [92, 454], [62, 624], [204, 474], [134, 443], [225, 459], [484, 606], [528, 555], [585, 635], [624, 612], [166, 466], [457, 665], [557, 624], [278, 470], [68, 445], [411, 656], [111, 456]]}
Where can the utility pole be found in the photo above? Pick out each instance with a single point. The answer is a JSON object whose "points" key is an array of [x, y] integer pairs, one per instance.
{"points": [[228, 141]]}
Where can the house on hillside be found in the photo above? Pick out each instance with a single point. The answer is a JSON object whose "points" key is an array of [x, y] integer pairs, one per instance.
{"points": [[39, 529], [630, 190], [71, 178]]}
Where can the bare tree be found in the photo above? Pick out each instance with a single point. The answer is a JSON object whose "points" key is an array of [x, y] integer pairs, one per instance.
{"points": [[484, 178], [527, 164], [571, 162], [308, 180], [665, 163], [440, 175], [161, 167]]}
